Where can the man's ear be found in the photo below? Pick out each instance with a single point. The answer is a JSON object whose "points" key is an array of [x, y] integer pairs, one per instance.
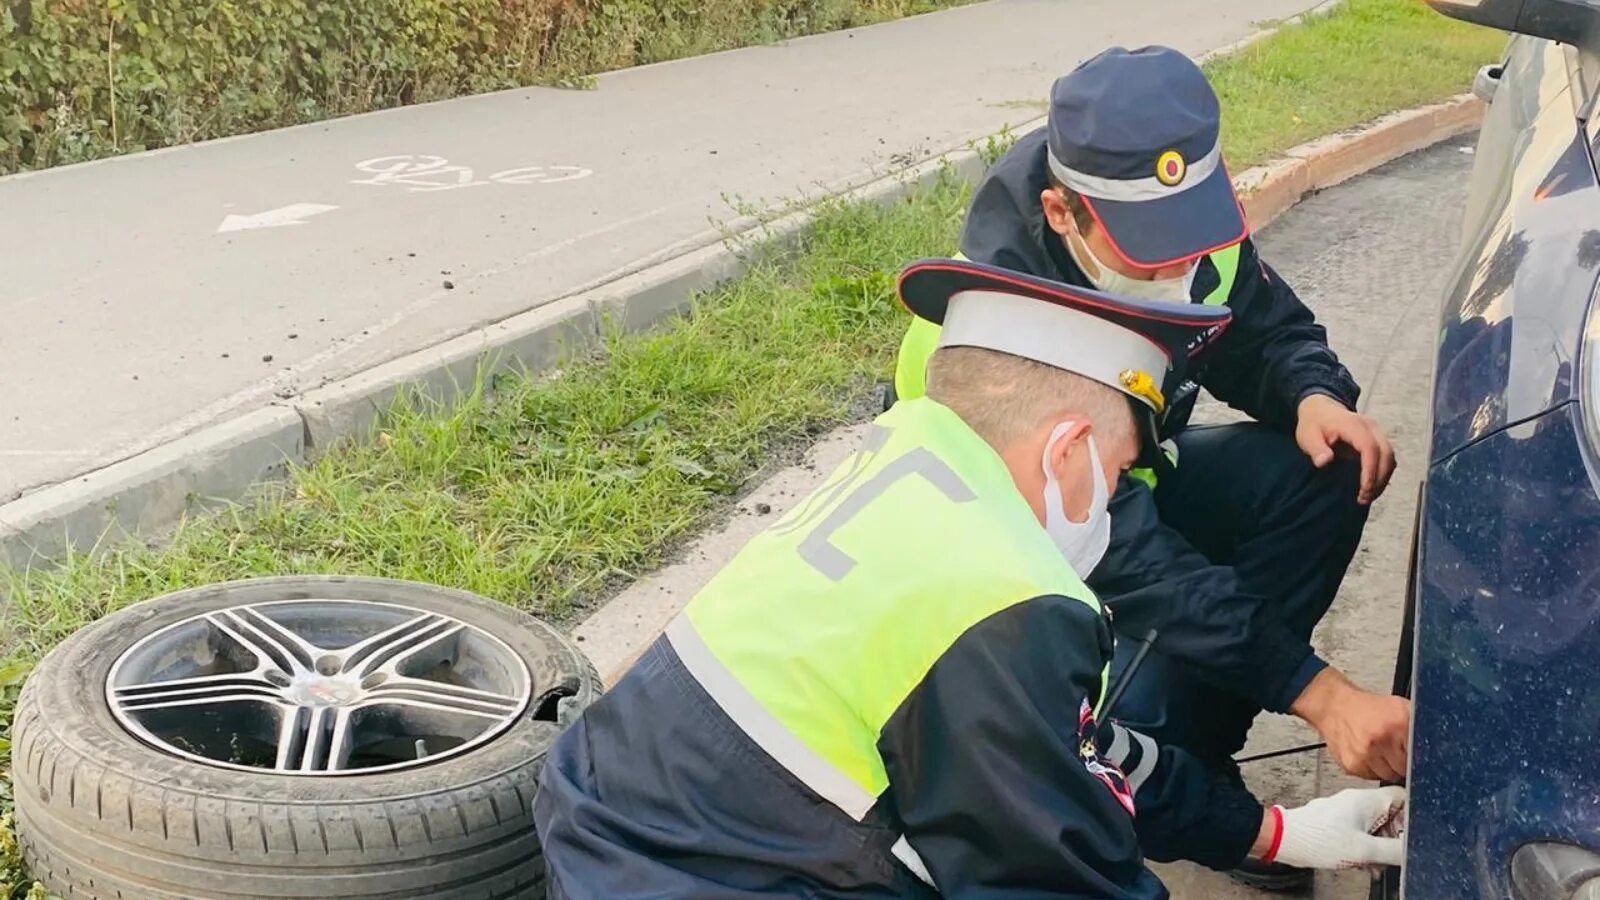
{"points": [[1075, 440], [1056, 213]]}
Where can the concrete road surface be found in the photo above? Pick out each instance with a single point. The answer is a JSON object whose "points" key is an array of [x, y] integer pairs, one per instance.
{"points": [[1369, 257], [145, 297]]}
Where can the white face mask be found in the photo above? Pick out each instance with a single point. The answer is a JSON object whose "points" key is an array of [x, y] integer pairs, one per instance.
{"points": [[1082, 543], [1167, 290]]}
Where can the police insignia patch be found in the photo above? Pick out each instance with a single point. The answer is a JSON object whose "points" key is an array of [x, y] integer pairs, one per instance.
{"points": [[1171, 168], [1098, 766], [1141, 384]]}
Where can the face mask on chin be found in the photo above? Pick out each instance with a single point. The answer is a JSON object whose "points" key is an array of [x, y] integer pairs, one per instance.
{"points": [[1167, 290]]}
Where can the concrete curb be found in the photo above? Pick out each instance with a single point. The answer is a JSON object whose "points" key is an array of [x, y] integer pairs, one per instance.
{"points": [[445, 372], [1268, 190], [224, 462], [539, 338], [142, 495]]}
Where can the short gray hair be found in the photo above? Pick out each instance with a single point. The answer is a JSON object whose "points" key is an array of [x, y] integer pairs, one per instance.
{"points": [[1004, 397]]}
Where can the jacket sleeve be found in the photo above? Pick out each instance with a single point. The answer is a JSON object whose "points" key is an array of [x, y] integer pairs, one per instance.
{"points": [[993, 768], [1185, 810], [1154, 578], [1274, 354]]}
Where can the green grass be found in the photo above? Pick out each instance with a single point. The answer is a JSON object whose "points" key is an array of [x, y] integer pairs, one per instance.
{"points": [[559, 483], [561, 487], [1363, 59]]}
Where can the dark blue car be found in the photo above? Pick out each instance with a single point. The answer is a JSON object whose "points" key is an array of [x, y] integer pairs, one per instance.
{"points": [[1503, 662]]}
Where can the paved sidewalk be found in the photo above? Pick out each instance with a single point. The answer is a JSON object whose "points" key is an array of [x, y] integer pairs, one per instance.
{"points": [[146, 297]]}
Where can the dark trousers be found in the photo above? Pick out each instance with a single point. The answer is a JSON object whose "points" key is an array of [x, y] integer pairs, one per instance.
{"points": [[1247, 497]]}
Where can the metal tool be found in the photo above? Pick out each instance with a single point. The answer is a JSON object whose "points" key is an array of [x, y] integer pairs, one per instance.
{"points": [[1126, 678], [1303, 748]]}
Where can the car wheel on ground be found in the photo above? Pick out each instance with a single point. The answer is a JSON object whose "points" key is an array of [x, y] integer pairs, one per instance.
{"points": [[294, 738]]}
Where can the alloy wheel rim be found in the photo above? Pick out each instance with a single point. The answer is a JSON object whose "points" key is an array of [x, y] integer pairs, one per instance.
{"points": [[318, 687]]}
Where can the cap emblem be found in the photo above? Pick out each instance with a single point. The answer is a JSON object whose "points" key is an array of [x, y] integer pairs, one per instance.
{"points": [[1141, 385], [1171, 168]]}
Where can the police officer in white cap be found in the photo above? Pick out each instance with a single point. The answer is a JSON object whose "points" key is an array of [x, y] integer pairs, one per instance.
{"points": [[896, 690], [1233, 548]]}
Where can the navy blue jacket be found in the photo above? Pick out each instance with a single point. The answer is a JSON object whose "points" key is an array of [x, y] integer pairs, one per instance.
{"points": [[1273, 356], [994, 765]]}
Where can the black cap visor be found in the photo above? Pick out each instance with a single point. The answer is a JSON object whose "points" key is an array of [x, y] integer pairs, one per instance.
{"points": [[1148, 425], [926, 287]]}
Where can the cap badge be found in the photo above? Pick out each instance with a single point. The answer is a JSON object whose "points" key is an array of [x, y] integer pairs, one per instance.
{"points": [[1141, 385], [1171, 168]]}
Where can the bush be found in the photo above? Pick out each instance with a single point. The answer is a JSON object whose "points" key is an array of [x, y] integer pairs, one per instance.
{"points": [[82, 79]]}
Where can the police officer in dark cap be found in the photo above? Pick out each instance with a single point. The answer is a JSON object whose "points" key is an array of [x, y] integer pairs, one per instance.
{"points": [[1231, 547]]}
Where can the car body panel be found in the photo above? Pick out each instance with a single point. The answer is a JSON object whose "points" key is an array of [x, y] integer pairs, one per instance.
{"points": [[1507, 686], [1514, 311], [1506, 679]]}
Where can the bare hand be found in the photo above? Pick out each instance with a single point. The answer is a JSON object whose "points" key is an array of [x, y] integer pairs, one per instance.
{"points": [[1367, 733], [1323, 423]]}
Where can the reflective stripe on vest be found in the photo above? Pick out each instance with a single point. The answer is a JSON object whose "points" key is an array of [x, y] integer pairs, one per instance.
{"points": [[754, 720], [818, 630], [789, 751], [908, 855], [1226, 262], [1121, 749]]}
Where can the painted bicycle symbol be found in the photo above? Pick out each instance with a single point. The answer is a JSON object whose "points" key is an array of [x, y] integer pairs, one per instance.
{"points": [[435, 173]]}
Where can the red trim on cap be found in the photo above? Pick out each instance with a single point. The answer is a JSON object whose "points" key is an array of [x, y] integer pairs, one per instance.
{"points": [[1088, 202], [1052, 296]]}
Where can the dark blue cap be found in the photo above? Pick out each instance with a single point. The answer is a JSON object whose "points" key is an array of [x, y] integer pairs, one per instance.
{"points": [[1135, 132]]}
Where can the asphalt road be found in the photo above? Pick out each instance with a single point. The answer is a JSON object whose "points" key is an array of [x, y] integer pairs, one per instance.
{"points": [[145, 297], [1370, 258]]}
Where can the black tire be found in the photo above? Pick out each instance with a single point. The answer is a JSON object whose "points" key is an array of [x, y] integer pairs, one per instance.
{"points": [[1387, 885], [1405, 655], [101, 815]]}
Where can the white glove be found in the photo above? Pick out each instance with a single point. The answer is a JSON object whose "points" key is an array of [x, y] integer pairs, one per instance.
{"points": [[1353, 828]]}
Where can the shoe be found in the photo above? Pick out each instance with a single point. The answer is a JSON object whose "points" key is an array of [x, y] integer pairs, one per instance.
{"points": [[1274, 877]]}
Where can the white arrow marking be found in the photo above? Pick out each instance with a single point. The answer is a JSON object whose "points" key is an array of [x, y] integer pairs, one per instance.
{"points": [[293, 214]]}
